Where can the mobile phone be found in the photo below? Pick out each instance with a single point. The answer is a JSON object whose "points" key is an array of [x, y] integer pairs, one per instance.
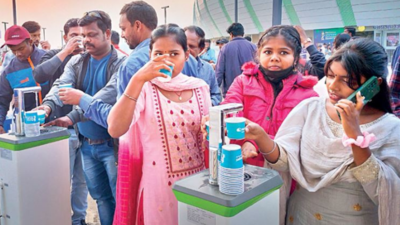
{"points": [[368, 90]]}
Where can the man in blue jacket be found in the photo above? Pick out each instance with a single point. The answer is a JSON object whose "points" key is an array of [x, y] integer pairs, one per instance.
{"points": [[19, 73]]}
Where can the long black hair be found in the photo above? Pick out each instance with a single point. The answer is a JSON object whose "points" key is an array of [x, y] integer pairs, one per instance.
{"points": [[292, 38], [169, 30], [367, 58]]}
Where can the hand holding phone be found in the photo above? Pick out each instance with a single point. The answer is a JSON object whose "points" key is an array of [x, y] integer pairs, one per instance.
{"points": [[368, 90]]}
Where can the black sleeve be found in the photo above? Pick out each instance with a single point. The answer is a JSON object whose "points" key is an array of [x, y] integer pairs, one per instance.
{"points": [[315, 66], [48, 66], [6, 94]]}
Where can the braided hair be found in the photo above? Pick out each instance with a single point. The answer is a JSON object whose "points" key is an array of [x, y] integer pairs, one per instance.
{"points": [[291, 36]]}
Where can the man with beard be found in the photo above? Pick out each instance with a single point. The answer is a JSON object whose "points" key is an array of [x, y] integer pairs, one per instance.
{"points": [[138, 19], [92, 76], [50, 69], [19, 73]]}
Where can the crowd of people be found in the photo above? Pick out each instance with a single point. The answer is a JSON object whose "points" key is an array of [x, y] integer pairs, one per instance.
{"points": [[133, 135]]}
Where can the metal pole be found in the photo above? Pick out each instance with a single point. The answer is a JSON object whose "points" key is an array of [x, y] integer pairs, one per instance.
{"points": [[62, 38], [5, 26], [236, 11], [165, 13], [15, 11], [276, 12], [44, 33]]}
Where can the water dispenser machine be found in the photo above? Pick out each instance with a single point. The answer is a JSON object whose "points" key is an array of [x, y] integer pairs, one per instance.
{"points": [[200, 201]]}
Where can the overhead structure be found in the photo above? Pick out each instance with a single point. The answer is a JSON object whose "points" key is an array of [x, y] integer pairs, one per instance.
{"points": [[215, 16]]}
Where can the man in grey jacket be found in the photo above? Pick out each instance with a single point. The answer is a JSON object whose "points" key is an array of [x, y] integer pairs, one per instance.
{"points": [[93, 76], [50, 69]]}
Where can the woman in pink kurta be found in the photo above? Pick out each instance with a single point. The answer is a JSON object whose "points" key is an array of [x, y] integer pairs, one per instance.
{"points": [[163, 142]]}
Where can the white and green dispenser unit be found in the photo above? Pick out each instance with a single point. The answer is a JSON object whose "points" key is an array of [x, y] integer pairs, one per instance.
{"points": [[200, 203], [34, 178]]}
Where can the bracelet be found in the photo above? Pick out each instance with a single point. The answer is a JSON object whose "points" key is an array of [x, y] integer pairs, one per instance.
{"points": [[361, 141], [270, 152], [130, 97]]}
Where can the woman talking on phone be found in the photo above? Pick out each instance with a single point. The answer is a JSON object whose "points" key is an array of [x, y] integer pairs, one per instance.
{"points": [[347, 167]]}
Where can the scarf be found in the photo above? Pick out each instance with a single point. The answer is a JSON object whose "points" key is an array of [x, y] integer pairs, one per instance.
{"points": [[180, 82], [131, 155]]}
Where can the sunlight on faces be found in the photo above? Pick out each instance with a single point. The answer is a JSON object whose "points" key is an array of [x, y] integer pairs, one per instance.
{"points": [[275, 54], [168, 45], [337, 83]]}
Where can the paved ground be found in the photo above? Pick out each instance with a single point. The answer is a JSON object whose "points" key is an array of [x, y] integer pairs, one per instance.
{"points": [[92, 217]]}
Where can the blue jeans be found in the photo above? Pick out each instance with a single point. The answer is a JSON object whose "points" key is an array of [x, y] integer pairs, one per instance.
{"points": [[101, 177], [79, 191]]}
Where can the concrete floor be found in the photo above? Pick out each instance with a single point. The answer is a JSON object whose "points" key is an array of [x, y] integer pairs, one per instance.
{"points": [[92, 216]]}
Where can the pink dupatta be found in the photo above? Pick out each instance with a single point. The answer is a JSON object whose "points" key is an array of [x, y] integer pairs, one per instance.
{"points": [[130, 158]]}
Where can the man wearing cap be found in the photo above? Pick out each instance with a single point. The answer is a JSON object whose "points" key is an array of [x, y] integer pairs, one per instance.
{"points": [[34, 30], [19, 73]]}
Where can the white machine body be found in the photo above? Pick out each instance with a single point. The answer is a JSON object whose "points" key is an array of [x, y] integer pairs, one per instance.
{"points": [[262, 212], [35, 185]]}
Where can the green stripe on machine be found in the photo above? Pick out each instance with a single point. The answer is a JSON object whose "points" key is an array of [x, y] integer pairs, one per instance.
{"points": [[216, 208], [20, 147]]}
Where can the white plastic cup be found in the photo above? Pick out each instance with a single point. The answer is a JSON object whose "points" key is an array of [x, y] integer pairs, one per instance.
{"points": [[65, 86], [31, 124], [41, 116]]}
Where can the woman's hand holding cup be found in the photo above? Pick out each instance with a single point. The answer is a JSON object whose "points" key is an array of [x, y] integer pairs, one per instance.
{"points": [[152, 69]]}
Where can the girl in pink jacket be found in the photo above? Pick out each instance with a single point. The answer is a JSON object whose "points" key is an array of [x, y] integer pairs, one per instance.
{"points": [[271, 89]]}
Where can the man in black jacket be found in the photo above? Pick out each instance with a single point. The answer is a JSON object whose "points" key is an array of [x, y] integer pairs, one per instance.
{"points": [[50, 69]]}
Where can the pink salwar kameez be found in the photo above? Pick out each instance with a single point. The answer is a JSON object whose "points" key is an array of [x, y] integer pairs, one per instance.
{"points": [[162, 146]]}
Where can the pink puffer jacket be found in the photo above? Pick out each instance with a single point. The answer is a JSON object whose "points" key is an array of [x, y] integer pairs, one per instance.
{"points": [[259, 104]]}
